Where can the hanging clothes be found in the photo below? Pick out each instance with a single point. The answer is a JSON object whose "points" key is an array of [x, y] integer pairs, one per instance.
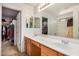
{"points": [[12, 33], [69, 32], [4, 32], [8, 33]]}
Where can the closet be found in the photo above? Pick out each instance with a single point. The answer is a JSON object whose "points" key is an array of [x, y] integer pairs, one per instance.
{"points": [[8, 25]]}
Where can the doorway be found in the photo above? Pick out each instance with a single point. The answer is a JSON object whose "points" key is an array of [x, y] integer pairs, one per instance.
{"points": [[70, 28], [44, 25], [11, 31]]}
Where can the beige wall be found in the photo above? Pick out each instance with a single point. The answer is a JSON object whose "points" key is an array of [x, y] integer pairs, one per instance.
{"points": [[76, 24]]}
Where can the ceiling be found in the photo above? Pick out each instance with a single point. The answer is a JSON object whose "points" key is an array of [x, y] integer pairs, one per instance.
{"points": [[33, 4], [58, 7], [10, 13]]}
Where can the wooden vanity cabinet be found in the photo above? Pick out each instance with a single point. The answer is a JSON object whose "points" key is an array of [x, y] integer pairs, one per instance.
{"points": [[35, 43], [45, 51], [33, 48]]}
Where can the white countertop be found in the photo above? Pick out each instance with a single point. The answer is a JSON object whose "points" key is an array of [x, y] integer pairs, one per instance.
{"points": [[71, 49]]}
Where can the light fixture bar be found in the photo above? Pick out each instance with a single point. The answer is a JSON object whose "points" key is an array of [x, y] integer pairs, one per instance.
{"points": [[43, 6]]}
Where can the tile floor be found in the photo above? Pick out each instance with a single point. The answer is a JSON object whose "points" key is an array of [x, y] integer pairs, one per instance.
{"points": [[9, 50]]}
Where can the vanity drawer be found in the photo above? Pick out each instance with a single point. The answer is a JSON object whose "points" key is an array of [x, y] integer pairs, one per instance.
{"points": [[47, 51], [35, 43], [60, 54]]}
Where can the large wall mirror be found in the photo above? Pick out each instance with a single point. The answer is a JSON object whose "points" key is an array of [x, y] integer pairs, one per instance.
{"points": [[62, 21]]}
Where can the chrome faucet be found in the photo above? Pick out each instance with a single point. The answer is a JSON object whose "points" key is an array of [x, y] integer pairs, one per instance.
{"points": [[65, 41]]}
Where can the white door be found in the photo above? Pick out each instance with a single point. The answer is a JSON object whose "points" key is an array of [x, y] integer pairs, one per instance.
{"points": [[14, 22], [18, 31]]}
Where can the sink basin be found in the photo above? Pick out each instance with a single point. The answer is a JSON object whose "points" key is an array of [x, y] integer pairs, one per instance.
{"points": [[56, 43], [61, 45]]}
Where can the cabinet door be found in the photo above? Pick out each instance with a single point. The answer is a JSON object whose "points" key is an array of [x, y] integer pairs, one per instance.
{"points": [[47, 51], [35, 50]]}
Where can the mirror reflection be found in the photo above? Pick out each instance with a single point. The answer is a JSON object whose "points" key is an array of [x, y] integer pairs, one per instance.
{"points": [[60, 20]]}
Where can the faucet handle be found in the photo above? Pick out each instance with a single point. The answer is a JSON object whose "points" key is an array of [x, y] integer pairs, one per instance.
{"points": [[65, 41]]}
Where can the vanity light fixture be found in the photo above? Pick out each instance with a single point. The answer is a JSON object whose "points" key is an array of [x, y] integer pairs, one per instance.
{"points": [[61, 19], [43, 6]]}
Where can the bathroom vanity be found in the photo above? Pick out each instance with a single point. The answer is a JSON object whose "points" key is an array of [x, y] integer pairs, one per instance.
{"points": [[50, 46], [33, 48], [58, 33]]}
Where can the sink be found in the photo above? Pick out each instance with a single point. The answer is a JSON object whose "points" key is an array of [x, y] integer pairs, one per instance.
{"points": [[56, 43], [61, 44], [65, 46]]}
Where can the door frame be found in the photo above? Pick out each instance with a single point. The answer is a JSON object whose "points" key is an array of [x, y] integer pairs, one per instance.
{"points": [[19, 31], [20, 22]]}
